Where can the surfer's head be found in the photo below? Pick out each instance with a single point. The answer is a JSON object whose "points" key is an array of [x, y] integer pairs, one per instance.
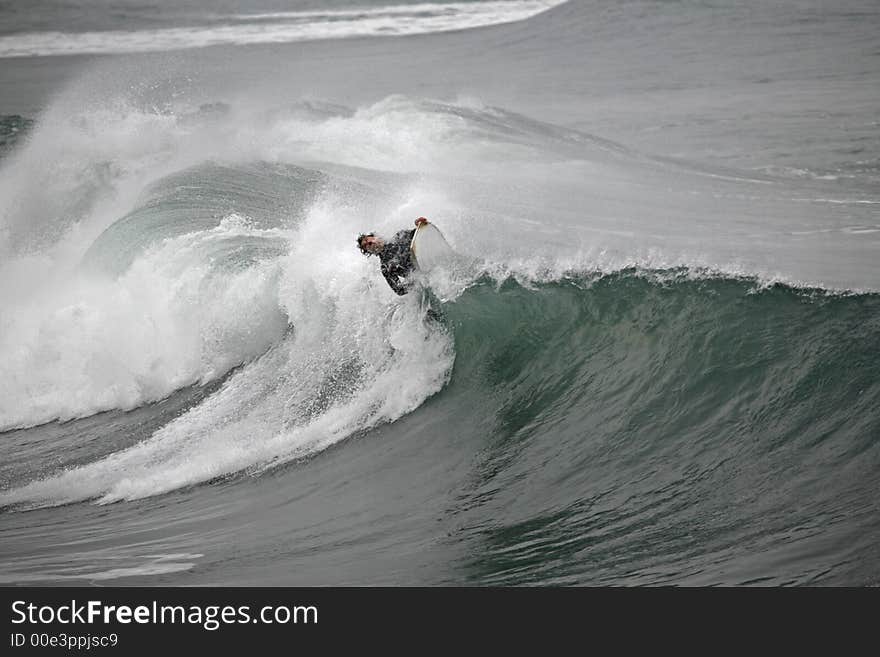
{"points": [[369, 244]]}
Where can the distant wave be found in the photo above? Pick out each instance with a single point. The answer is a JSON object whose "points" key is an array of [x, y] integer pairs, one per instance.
{"points": [[282, 27]]}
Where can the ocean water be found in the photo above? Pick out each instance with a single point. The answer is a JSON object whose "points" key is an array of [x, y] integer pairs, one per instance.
{"points": [[657, 358]]}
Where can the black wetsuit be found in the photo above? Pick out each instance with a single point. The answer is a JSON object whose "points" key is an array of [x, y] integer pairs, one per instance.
{"points": [[397, 261]]}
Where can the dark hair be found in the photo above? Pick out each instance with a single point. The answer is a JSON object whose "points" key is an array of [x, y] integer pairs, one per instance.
{"points": [[360, 241]]}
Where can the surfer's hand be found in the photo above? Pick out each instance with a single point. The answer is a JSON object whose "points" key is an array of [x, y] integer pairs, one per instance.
{"points": [[421, 221]]}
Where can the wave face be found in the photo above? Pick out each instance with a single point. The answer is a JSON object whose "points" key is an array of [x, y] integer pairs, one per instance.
{"points": [[634, 427], [638, 370], [194, 278], [602, 386], [585, 394]]}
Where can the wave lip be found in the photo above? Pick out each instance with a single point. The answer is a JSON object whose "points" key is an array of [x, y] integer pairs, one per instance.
{"points": [[244, 29]]}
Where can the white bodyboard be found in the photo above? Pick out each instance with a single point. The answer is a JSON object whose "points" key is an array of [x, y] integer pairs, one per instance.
{"points": [[430, 249]]}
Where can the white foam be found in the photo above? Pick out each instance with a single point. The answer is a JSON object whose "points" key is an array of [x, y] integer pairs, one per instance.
{"points": [[152, 564], [399, 134], [287, 27], [73, 344], [82, 345], [358, 356], [91, 344]]}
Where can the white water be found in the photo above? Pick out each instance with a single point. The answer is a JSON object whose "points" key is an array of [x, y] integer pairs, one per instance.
{"points": [[86, 344], [534, 200], [285, 27], [357, 356], [530, 199]]}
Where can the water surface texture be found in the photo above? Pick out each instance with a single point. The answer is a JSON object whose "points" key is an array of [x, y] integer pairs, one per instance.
{"points": [[655, 360]]}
